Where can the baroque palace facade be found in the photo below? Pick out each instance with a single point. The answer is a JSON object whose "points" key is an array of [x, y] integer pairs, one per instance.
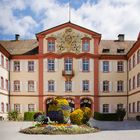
{"points": [[72, 62]]}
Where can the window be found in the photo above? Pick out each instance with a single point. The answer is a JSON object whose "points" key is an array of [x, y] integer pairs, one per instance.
{"points": [[105, 108], [51, 86], [68, 86], [85, 86], [134, 61], [6, 82], [138, 56], [134, 107], [120, 86], [86, 45], [138, 80], [105, 66], [129, 64], [129, 107], [2, 60], [119, 106], [2, 83], [120, 66], [68, 64], [105, 86], [85, 65], [7, 64], [30, 66], [17, 107], [120, 50], [134, 82], [16, 66], [16, 86], [51, 65], [31, 107], [51, 45], [2, 107], [106, 50], [138, 106], [129, 84], [31, 86]]}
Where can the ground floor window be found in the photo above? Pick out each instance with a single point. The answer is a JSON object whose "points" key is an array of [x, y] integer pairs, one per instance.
{"points": [[119, 106], [31, 107], [138, 106], [68, 86], [17, 107], [105, 108], [129, 107]]}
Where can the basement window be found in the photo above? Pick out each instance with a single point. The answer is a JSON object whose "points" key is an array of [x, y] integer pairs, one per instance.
{"points": [[120, 50], [106, 50]]}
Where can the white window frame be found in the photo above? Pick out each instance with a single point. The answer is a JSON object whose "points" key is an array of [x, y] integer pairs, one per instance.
{"points": [[51, 65], [105, 66], [31, 107], [85, 65], [16, 86], [68, 64], [31, 86], [68, 86], [17, 107], [51, 45], [120, 66], [51, 86], [85, 86], [31, 65], [105, 108], [120, 86]]}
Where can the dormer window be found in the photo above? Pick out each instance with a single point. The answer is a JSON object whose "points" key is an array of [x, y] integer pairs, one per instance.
{"points": [[105, 50], [120, 50], [85, 44], [51, 44]]}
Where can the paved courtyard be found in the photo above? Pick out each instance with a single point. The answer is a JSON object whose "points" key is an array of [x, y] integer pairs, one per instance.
{"points": [[9, 131]]}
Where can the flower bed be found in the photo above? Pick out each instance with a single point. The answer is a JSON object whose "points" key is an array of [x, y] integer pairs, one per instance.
{"points": [[59, 129]]}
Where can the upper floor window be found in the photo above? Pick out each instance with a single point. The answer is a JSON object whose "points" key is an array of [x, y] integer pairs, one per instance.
{"points": [[85, 85], [68, 64], [129, 84], [86, 45], [105, 108], [120, 66], [16, 66], [134, 61], [85, 65], [31, 86], [133, 107], [16, 86], [68, 86], [51, 65], [120, 86], [138, 106], [51, 86], [105, 66], [138, 80], [7, 64], [134, 82], [2, 107], [105, 50], [119, 106], [120, 50], [138, 56], [30, 66], [31, 107], [2, 60], [105, 86], [129, 64], [2, 82], [17, 107], [51, 44]]}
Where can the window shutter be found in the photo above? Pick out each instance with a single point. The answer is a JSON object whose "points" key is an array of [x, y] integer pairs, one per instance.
{"points": [[116, 66], [21, 86], [12, 107], [73, 85], [35, 86], [12, 86], [55, 86], [101, 86], [26, 65], [26, 86], [56, 64], [35, 65], [80, 64], [11, 65], [46, 86], [101, 66], [91, 64], [124, 66], [110, 66], [21, 65], [45, 65], [81, 86], [90, 86], [124, 86], [110, 86]]}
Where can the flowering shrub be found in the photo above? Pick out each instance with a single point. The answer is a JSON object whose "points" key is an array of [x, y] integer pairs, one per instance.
{"points": [[87, 114], [36, 115], [76, 116]]}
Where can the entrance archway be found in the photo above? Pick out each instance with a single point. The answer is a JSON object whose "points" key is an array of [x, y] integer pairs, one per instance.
{"points": [[86, 102]]}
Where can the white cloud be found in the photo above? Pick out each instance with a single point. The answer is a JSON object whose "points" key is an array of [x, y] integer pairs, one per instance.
{"points": [[108, 17]]}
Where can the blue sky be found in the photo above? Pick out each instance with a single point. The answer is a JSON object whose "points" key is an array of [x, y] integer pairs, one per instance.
{"points": [[108, 17]]}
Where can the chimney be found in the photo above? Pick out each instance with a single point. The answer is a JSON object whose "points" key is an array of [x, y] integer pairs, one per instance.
{"points": [[121, 37], [17, 37]]}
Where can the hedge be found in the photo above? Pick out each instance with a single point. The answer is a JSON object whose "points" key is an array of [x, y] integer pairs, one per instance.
{"points": [[29, 116], [106, 117]]}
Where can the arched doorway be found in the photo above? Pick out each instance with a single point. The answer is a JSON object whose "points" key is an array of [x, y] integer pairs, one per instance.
{"points": [[85, 102], [71, 104]]}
